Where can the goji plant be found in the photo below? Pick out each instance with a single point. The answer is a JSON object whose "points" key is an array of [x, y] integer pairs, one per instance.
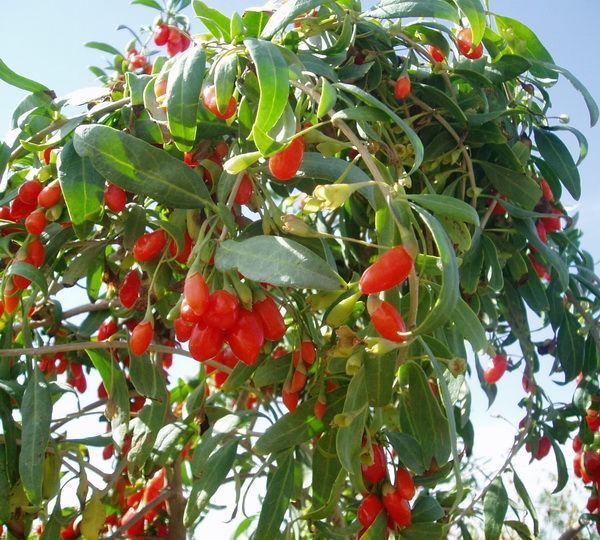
{"points": [[331, 216]]}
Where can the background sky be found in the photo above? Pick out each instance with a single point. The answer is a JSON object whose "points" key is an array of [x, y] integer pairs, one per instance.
{"points": [[44, 41]]}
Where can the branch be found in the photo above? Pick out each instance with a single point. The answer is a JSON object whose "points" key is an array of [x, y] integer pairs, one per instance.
{"points": [[571, 532], [85, 308]]}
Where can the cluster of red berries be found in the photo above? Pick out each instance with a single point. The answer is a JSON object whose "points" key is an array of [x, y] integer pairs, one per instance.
{"points": [[464, 43], [135, 60], [174, 38], [29, 209], [383, 496], [390, 270], [586, 463]]}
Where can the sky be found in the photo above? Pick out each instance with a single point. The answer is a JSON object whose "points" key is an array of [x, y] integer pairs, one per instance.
{"points": [[44, 41]]}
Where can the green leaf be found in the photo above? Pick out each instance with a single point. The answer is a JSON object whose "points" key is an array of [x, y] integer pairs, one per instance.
{"points": [[426, 509], [183, 89], [349, 437], [14, 79], [240, 162], [328, 98], [82, 186], [146, 377], [286, 13], [116, 387], [570, 347], [21, 268], [221, 429], [495, 505], [396, 9], [380, 378], [557, 156], [140, 168], [279, 261], [273, 82], [428, 421], [104, 47], [326, 468], [367, 98], [204, 488], [423, 531], [276, 502], [518, 187], [523, 41], [4, 486], [522, 492], [589, 100], [439, 99], [494, 274], [508, 67], [472, 264], [409, 450], [225, 74], [469, 326], [296, 428], [146, 427], [148, 3], [447, 206], [561, 467], [476, 16], [36, 414], [449, 290], [218, 24]]}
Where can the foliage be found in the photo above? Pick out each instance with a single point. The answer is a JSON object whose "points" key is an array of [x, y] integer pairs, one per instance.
{"points": [[243, 195]]}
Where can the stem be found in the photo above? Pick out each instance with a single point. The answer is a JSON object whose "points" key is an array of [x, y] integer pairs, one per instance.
{"points": [[488, 214], [69, 417], [176, 504], [85, 308], [459, 142]]}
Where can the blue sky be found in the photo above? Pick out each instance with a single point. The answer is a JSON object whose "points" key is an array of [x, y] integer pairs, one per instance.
{"points": [[44, 40]]}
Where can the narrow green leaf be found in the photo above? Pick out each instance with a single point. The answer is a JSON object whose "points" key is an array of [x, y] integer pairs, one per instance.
{"points": [[217, 24], [570, 347], [36, 413], [104, 47], [429, 423], [273, 82], [469, 326], [140, 168], [204, 488], [523, 41], [447, 206], [220, 430], [557, 156], [4, 486], [146, 376], [494, 275], [326, 468], [82, 186], [397, 9], [300, 426], [148, 3], [438, 99], [276, 501], [409, 450], [286, 13], [518, 187], [328, 98], [495, 505], [522, 492], [476, 16], [183, 89], [279, 261], [225, 74], [146, 427], [589, 100], [426, 509], [449, 290], [562, 472], [423, 531], [14, 79], [367, 98], [380, 378], [239, 163], [378, 529]]}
